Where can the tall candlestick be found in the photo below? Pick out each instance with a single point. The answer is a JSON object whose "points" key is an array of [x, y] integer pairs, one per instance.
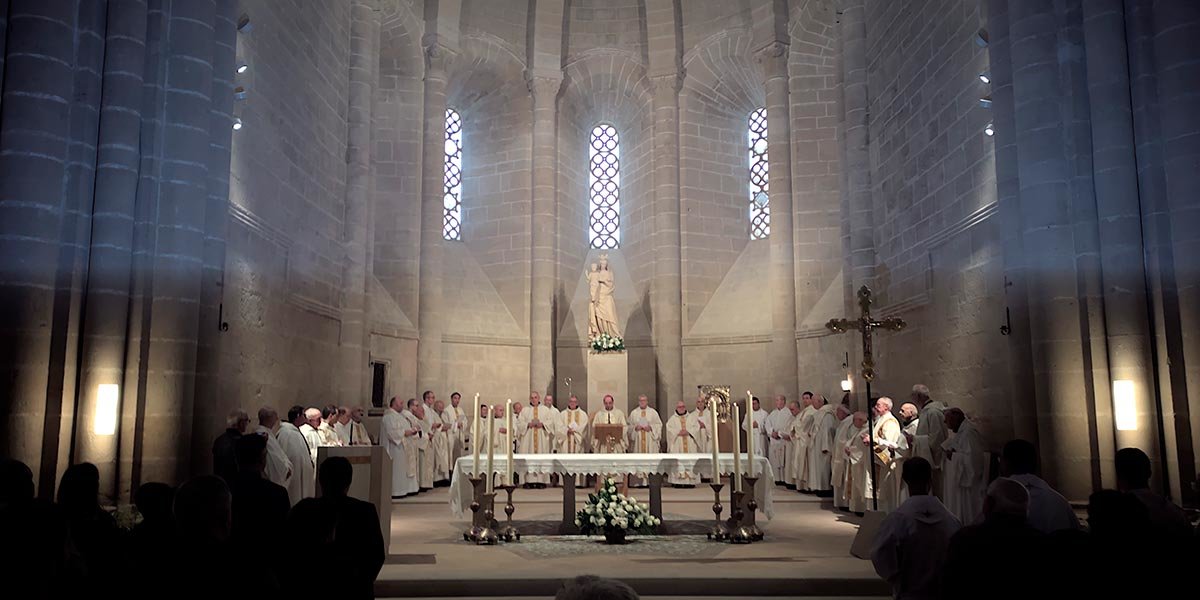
{"points": [[750, 434], [508, 428], [737, 449], [716, 441], [475, 437], [491, 453]]}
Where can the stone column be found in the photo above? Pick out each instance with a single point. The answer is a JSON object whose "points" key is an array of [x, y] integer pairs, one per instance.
{"points": [[774, 60], [543, 219], [355, 332], [106, 313], [429, 300], [1114, 170], [667, 290], [1064, 415], [857, 159], [35, 129]]}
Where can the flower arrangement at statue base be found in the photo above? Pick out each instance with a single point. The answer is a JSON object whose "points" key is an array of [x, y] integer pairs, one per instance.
{"points": [[614, 515], [607, 343]]}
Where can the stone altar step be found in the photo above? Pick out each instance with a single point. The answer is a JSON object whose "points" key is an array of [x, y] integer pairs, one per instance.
{"points": [[656, 587]]}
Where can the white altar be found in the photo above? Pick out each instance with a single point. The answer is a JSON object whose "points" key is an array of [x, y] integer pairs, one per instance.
{"points": [[655, 465]]}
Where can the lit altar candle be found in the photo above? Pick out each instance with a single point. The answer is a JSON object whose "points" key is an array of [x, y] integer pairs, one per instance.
{"points": [[508, 466], [737, 449], [491, 453], [475, 437], [750, 435], [716, 441]]}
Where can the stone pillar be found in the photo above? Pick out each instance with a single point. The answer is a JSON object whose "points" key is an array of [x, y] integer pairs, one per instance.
{"points": [[856, 163], [35, 129], [1114, 170], [355, 332], [543, 220], [1065, 430], [667, 290], [774, 61], [106, 313], [429, 300]]}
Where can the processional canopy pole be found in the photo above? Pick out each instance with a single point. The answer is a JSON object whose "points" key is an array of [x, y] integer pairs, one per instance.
{"points": [[865, 324]]}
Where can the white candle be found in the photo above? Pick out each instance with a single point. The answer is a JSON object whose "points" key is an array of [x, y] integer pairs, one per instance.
{"points": [[737, 449], [475, 437], [508, 427], [716, 441], [491, 452], [751, 434]]}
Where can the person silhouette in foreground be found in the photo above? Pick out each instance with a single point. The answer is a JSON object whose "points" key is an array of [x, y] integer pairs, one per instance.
{"points": [[340, 533], [910, 546], [591, 587], [35, 536], [153, 541], [93, 532], [1002, 557], [260, 511], [204, 565]]}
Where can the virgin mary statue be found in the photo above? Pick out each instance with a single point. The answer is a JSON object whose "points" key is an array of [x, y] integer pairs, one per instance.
{"points": [[602, 313]]}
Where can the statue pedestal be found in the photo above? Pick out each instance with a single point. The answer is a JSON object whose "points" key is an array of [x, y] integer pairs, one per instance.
{"points": [[607, 373]]}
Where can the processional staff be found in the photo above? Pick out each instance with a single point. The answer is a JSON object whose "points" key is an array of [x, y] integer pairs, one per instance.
{"points": [[865, 324]]}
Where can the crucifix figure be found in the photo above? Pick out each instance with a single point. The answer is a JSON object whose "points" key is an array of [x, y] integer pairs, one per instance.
{"points": [[866, 324]]}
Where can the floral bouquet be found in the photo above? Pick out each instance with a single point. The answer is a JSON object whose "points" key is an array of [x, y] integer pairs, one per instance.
{"points": [[614, 515], [607, 343]]}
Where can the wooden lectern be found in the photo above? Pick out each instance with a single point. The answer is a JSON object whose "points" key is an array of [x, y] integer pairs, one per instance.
{"points": [[606, 437]]}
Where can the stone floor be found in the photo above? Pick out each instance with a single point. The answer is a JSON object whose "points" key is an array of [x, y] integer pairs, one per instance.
{"points": [[806, 554]]}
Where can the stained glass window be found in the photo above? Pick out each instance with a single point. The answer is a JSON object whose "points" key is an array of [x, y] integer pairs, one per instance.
{"points": [[452, 181], [604, 165], [760, 207]]}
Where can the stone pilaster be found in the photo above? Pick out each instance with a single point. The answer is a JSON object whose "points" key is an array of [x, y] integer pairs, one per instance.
{"points": [[667, 289], [429, 301], [355, 330], [542, 238], [773, 59], [856, 160]]}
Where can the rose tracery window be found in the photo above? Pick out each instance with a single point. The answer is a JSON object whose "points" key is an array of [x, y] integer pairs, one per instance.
{"points": [[760, 207], [604, 167], [452, 180]]}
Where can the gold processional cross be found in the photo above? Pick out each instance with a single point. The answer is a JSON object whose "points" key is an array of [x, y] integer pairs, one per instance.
{"points": [[866, 324]]}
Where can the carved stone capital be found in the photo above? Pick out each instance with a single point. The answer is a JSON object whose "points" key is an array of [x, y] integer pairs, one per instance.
{"points": [[543, 87], [438, 56], [667, 83], [773, 59]]}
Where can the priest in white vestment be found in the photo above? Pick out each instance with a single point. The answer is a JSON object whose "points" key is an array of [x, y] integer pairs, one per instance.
{"points": [[609, 415], [414, 416], [440, 442], [329, 417], [312, 436], [789, 459], [342, 426], [837, 462], [910, 419], [858, 466], [890, 450], [755, 423], [779, 423], [930, 433], [681, 439], [801, 440], [644, 433], [302, 483], [964, 467], [539, 435], [457, 426], [278, 465], [572, 431], [399, 439], [820, 451]]}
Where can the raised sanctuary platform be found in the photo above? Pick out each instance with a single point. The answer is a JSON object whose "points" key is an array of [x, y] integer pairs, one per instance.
{"points": [[806, 553]]}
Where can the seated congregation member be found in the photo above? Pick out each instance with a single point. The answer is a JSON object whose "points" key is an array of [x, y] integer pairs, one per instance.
{"points": [[35, 536], [93, 532], [1048, 510], [910, 547], [1167, 521], [1003, 557]]}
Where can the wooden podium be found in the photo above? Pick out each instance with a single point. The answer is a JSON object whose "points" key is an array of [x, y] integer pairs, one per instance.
{"points": [[372, 479], [605, 437]]}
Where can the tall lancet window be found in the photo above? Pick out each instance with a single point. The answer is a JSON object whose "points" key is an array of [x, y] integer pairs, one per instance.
{"points": [[452, 180], [604, 165], [760, 200]]}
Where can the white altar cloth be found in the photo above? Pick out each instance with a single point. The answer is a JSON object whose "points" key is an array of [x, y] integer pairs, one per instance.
{"points": [[620, 464]]}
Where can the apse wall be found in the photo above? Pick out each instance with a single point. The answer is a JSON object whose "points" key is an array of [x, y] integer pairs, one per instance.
{"points": [[937, 241], [284, 258]]}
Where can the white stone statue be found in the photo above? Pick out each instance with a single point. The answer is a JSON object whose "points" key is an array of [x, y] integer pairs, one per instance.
{"points": [[602, 310]]}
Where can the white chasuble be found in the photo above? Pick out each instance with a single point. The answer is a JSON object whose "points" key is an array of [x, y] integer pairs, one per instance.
{"points": [[681, 438], [820, 451], [403, 452], [538, 437], [889, 443], [964, 473], [779, 423], [647, 440], [838, 462]]}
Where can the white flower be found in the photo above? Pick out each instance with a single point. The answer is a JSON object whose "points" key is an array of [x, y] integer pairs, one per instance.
{"points": [[578, 523], [621, 497], [611, 512]]}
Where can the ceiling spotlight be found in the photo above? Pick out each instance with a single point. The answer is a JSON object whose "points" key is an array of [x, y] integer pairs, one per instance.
{"points": [[981, 38], [244, 25], [985, 102], [984, 77], [239, 93], [989, 130], [243, 67], [237, 123]]}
